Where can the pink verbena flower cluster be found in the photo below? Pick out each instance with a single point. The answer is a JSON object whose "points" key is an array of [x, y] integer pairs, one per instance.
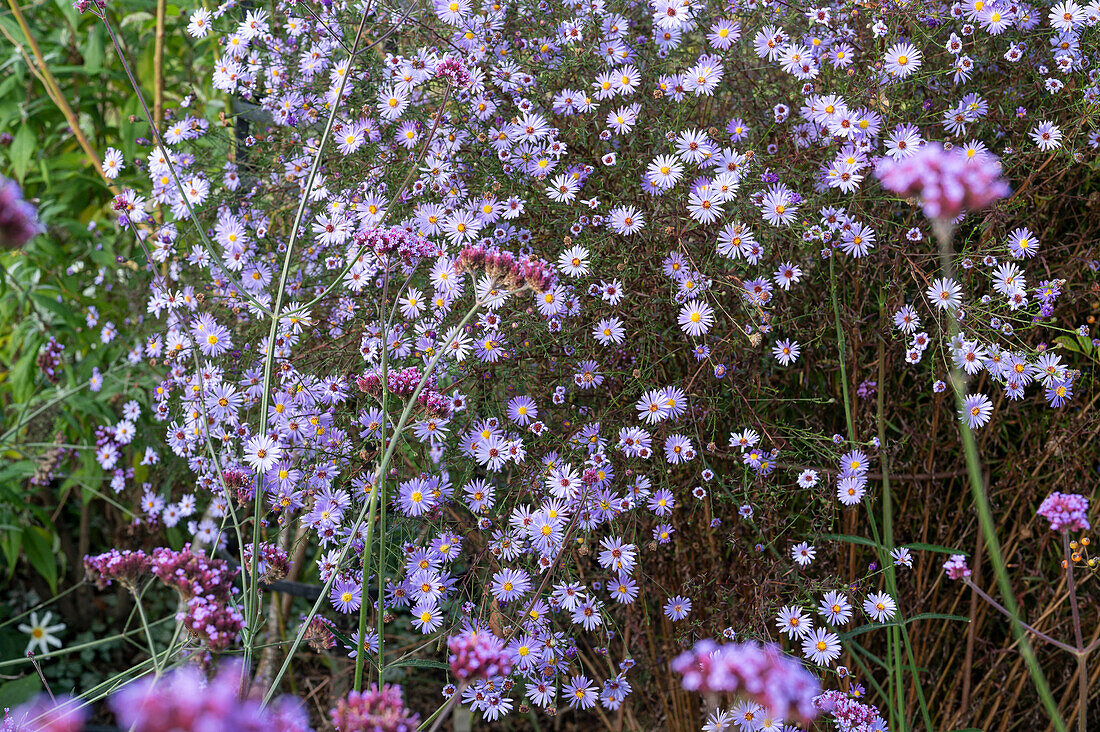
{"points": [[374, 710], [947, 182], [956, 567], [121, 565], [408, 246], [193, 574], [273, 563], [454, 70], [477, 653], [18, 220], [43, 714], [204, 584], [402, 383], [511, 271], [185, 700], [762, 673], [850, 714], [1066, 511]]}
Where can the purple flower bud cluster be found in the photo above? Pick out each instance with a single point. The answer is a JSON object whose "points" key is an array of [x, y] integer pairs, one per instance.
{"points": [[849, 714], [18, 220], [956, 567], [503, 266], [204, 584], [184, 700], [273, 563], [123, 566], [212, 621], [408, 245], [454, 70], [43, 714], [374, 710], [49, 360], [82, 6], [1065, 511], [402, 383], [947, 182], [761, 673], [478, 654], [193, 574]]}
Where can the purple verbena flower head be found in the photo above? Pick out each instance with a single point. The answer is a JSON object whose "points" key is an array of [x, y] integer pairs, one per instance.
{"points": [[947, 182], [18, 220], [761, 673], [184, 700], [478, 654], [43, 714], [1066, 511], [956, 567], [454, 70], [374, 710]]}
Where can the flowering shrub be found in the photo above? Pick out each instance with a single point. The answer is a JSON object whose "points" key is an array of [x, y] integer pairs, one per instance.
{"points": [[476, 328]]}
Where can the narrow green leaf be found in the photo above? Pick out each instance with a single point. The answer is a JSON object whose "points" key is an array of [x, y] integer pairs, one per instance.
{"points": [[38, 546], [417, 663], [935, 548], [22, 148]]}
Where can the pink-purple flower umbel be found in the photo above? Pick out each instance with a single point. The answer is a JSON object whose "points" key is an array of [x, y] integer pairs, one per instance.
{"points": [[18, 220], [185, 700], [761, 673], [1066, 511], [478, 654], [374, 710], [947, 182]]}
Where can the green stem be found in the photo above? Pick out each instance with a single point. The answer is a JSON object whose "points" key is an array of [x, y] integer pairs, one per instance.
{"points": [[382, 467], [252, 600], [985, 513]]}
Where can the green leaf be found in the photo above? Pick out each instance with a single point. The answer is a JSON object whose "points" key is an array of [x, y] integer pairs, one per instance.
{"points": [[94, 50], [22, 148], [38, 546], [417, 663], [11, 542], [850, 539], [14, 693], [937, 616], [934, 548]]}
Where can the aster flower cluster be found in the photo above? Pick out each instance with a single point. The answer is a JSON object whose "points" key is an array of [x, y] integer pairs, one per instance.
{"points": [[760, 673], [490, 237]]}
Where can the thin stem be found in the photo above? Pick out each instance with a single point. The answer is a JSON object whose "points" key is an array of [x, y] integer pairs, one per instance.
{"points": [[252, 600], [841, 348], [1079, 640], [148, 633], [1001, 609], [985, 513], [382, 467]]}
